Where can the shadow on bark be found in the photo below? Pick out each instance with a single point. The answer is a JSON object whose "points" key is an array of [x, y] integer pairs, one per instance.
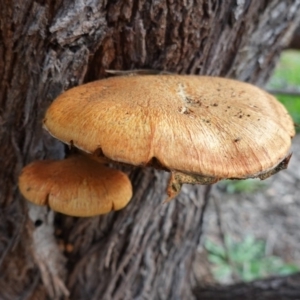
{"points": [[275, 288]]}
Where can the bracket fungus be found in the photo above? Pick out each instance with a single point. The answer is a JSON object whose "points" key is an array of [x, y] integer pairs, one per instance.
{"points": [[201, 129], [75, 186]]}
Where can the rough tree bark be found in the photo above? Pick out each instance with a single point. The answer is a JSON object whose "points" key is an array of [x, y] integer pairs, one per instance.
{"points": [[145, 251], [295, 41], [279, 288]]}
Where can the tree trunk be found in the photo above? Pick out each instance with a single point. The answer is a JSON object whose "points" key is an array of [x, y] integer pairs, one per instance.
{"points": [[145, 251], [279, 288], [295, 41]]}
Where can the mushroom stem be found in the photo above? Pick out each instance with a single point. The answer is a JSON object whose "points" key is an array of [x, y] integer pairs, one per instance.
{"points": [[177, 179]]}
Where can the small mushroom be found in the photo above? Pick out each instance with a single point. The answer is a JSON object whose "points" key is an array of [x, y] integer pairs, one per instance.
{"points": [[75, 186], [178, 123]]}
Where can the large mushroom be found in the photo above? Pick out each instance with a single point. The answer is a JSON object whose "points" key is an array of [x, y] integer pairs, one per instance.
{"points": [[76, 186], [201, 129]]}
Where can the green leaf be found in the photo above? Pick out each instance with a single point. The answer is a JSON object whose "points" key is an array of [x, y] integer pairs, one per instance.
{"points": [[287, 76], [222, 273], [242, 186], [214, 248], [215, 259], [246, 259]]}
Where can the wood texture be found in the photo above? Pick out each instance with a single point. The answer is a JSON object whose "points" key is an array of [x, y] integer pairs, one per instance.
{"points": [[279, 288], [295, 42], [145, 251]]}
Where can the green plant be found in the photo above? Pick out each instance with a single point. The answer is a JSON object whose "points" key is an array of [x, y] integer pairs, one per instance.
{"points": [[287, 76], [244, 260], [241, 186]]}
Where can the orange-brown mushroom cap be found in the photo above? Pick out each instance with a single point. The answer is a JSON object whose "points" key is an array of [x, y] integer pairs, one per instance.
{"points": [[76, 186], [214, 127]]}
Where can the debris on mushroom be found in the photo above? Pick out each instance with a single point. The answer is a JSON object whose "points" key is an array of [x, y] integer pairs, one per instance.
{"points": [[75, 186], [201, 129]]}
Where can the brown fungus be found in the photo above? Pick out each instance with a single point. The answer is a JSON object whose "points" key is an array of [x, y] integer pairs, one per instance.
{"points": [[134, 119], [76, 186]]}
